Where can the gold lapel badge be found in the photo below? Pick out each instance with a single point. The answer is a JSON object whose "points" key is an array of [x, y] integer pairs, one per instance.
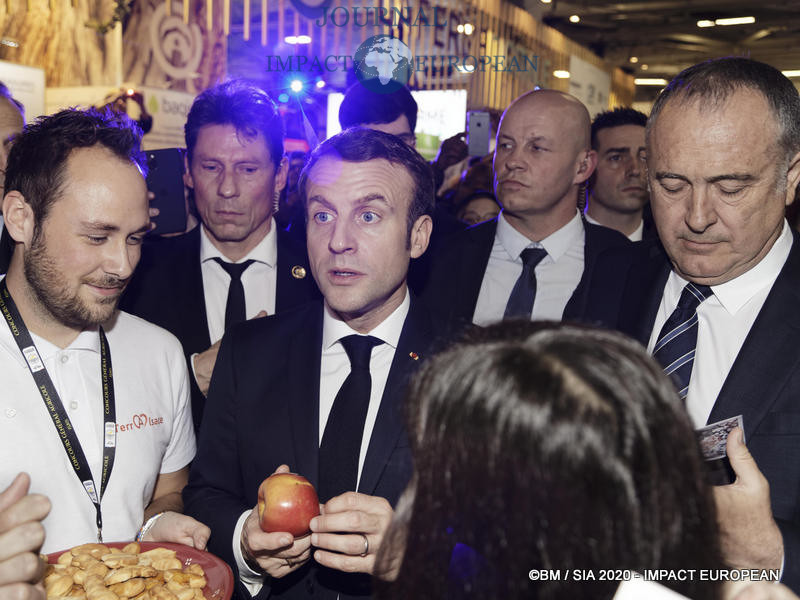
{"points": [[298, 272], [414, 355]]}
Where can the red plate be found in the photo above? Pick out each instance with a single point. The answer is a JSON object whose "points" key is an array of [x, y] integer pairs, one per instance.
{"points": [[218, 573]]}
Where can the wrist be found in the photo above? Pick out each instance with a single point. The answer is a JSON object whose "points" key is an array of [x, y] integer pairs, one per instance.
{"points": [[248, 557], [147, 526]]}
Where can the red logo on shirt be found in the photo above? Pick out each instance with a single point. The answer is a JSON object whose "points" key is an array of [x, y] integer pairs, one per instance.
{"points": [[139, 421]]}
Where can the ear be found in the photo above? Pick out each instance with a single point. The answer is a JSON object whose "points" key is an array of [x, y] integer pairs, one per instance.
{"points": [[187, 173], [420, 235], [586, 166], [792, 179], [281, 174], [18, 217]]}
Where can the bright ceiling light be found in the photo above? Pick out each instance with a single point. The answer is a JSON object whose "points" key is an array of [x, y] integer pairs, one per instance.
{"points": [[545, 1], [634, 59], [794, 73], [296, 85], [320, 84], [561, 74], [574, 19], [705, 23], [468, 28], [649, 81], [643, 67], [297, 39], [735, 21]]}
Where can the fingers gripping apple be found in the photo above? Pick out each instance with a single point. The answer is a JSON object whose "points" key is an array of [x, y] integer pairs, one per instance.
{"points": [[287, 502]]}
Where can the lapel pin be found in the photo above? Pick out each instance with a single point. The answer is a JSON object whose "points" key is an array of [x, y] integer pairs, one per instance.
{"points": [[298, 272], [414, 355]]}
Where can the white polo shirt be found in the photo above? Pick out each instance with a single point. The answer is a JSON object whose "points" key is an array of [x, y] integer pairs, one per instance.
{"points": [[154, 425]]}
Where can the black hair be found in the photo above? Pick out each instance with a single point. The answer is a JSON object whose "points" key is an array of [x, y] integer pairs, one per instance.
{"points": [[37, 161], [363, 107], [248, 108], [548, 446], [616, 118], [360, 144]]}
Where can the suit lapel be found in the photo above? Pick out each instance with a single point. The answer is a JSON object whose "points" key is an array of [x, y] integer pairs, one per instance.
{"points": [[643, 293], [769, 355], [390, 422], [194, 293], [300, 388], [473, 263], [294, 279]]}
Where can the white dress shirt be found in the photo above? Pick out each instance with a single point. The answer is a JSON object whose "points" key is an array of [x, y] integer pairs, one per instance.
{"points": [[153, 425], [636, 236], [259, 280], [723, 322], [334, 369], [557, 275]]}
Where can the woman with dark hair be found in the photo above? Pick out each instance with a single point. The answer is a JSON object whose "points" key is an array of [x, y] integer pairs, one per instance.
{"points": [[548, 447]]}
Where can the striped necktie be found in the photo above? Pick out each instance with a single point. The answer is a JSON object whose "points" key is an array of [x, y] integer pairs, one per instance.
{"points": [[677, 341]]}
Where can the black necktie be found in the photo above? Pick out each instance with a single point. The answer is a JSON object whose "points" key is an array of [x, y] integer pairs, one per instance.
{"points": [[341, 441], [677, 341], [520, 302], [234, 306]]}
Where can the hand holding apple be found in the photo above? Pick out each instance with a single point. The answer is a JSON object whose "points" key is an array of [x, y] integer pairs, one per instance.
{"points": [[287, 502], [276, 554]]}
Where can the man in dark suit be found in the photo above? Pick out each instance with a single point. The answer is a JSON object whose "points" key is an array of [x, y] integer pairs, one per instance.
{"points": [[617, 190], [717, 303], [284, 392], [237, 264], [533, 260]]}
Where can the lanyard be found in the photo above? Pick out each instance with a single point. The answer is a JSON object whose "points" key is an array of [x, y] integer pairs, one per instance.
{"points": [[55, 408]]}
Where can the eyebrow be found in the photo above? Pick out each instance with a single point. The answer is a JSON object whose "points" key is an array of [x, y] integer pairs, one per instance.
{"points": [[618, 150], [109, 228], [374, 197]]}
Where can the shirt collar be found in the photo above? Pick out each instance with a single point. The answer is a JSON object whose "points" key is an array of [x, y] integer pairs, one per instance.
{"points": [[266, 251], [737, 292], [556, 244], [638, 233], [388, 331], [636, 236], [88, 339]]}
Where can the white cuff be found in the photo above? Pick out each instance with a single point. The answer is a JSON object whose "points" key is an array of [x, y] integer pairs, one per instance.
{"points": [[252, 580], [191, 362]]}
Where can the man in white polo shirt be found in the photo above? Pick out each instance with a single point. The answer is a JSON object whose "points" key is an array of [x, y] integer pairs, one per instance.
{"points": [[109, 447]]}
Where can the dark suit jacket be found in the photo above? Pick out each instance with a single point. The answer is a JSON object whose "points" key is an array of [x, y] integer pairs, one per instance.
{"points": [[263, 411], [167, 289], [457, 275], [763, 384]]}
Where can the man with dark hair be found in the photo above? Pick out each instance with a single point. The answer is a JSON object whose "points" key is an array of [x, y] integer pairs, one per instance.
{"points": [[394, 113], [237, 264], [12, 120], [717, 303], [618, 187], [320, 389], [76, 206], [534, 260]]}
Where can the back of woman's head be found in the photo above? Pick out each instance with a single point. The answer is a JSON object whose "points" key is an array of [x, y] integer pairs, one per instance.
{"points": [[550, 447]]}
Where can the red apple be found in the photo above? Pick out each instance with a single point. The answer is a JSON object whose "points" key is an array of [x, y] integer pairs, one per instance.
{"points": [[287, 502]]}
